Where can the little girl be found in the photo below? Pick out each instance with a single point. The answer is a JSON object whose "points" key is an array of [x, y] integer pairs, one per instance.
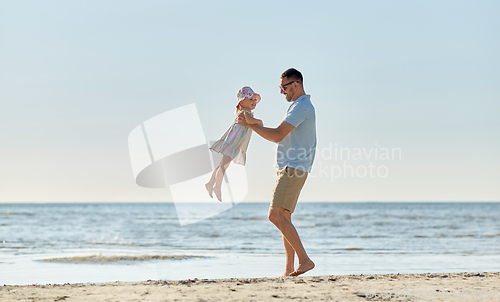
{"points": [[233, 144]]}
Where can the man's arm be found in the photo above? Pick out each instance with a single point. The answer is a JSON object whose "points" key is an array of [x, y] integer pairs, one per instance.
{"points": [[271, 134]]}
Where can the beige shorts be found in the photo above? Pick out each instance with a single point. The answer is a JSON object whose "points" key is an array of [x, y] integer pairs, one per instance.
{"points": [[288, 185]]}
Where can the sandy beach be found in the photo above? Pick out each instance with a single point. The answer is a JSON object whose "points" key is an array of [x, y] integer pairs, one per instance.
{"points": [[386, 287]]}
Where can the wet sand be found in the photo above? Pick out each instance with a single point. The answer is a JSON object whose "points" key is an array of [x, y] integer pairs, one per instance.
{"points": [[108, 259]]}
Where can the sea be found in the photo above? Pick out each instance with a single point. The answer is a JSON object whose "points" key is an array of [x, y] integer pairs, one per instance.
{"points": [[341, 238]]}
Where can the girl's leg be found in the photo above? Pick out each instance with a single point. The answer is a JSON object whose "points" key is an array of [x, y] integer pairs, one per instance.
{"points": [[224, 163], [210, 184]]}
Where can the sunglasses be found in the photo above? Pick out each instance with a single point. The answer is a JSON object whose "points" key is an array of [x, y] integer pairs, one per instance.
{"points": [[282, 87]]}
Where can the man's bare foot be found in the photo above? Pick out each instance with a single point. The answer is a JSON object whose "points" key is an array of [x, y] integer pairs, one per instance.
{"points": [[286, 273], [210, 189], [218, 193], [302, 268]]}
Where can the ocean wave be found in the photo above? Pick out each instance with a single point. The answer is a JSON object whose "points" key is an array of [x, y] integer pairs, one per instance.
{"points": [[122, 243], [248, 218], [17, 213]]}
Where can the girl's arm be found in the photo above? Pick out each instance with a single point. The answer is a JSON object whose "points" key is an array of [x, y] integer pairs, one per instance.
{"points": [[251, 120]]}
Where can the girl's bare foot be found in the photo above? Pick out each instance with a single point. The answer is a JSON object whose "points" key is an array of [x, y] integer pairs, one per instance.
{"points": [[302, 268], [218, 193], [209, 189]]}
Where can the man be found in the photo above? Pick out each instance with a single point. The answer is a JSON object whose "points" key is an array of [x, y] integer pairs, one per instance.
{"points": [[296, 138]]}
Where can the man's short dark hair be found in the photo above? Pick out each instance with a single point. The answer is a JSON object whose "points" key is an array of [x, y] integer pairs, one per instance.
{"points": [[292, 74]]}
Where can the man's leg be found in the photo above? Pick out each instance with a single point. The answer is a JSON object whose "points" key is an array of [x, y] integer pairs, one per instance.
{"points": [[277, 217], [289, 251]]}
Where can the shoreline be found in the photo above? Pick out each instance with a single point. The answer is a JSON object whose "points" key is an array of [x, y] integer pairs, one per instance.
{"points": [[401, 287]]}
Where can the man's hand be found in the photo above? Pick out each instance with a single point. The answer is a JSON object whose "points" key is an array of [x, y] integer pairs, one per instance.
{"points": [[252, 120], [242, 120]]}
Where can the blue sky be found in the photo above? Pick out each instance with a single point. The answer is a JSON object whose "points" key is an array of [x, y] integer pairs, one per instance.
{"points": [[420, 76]]}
